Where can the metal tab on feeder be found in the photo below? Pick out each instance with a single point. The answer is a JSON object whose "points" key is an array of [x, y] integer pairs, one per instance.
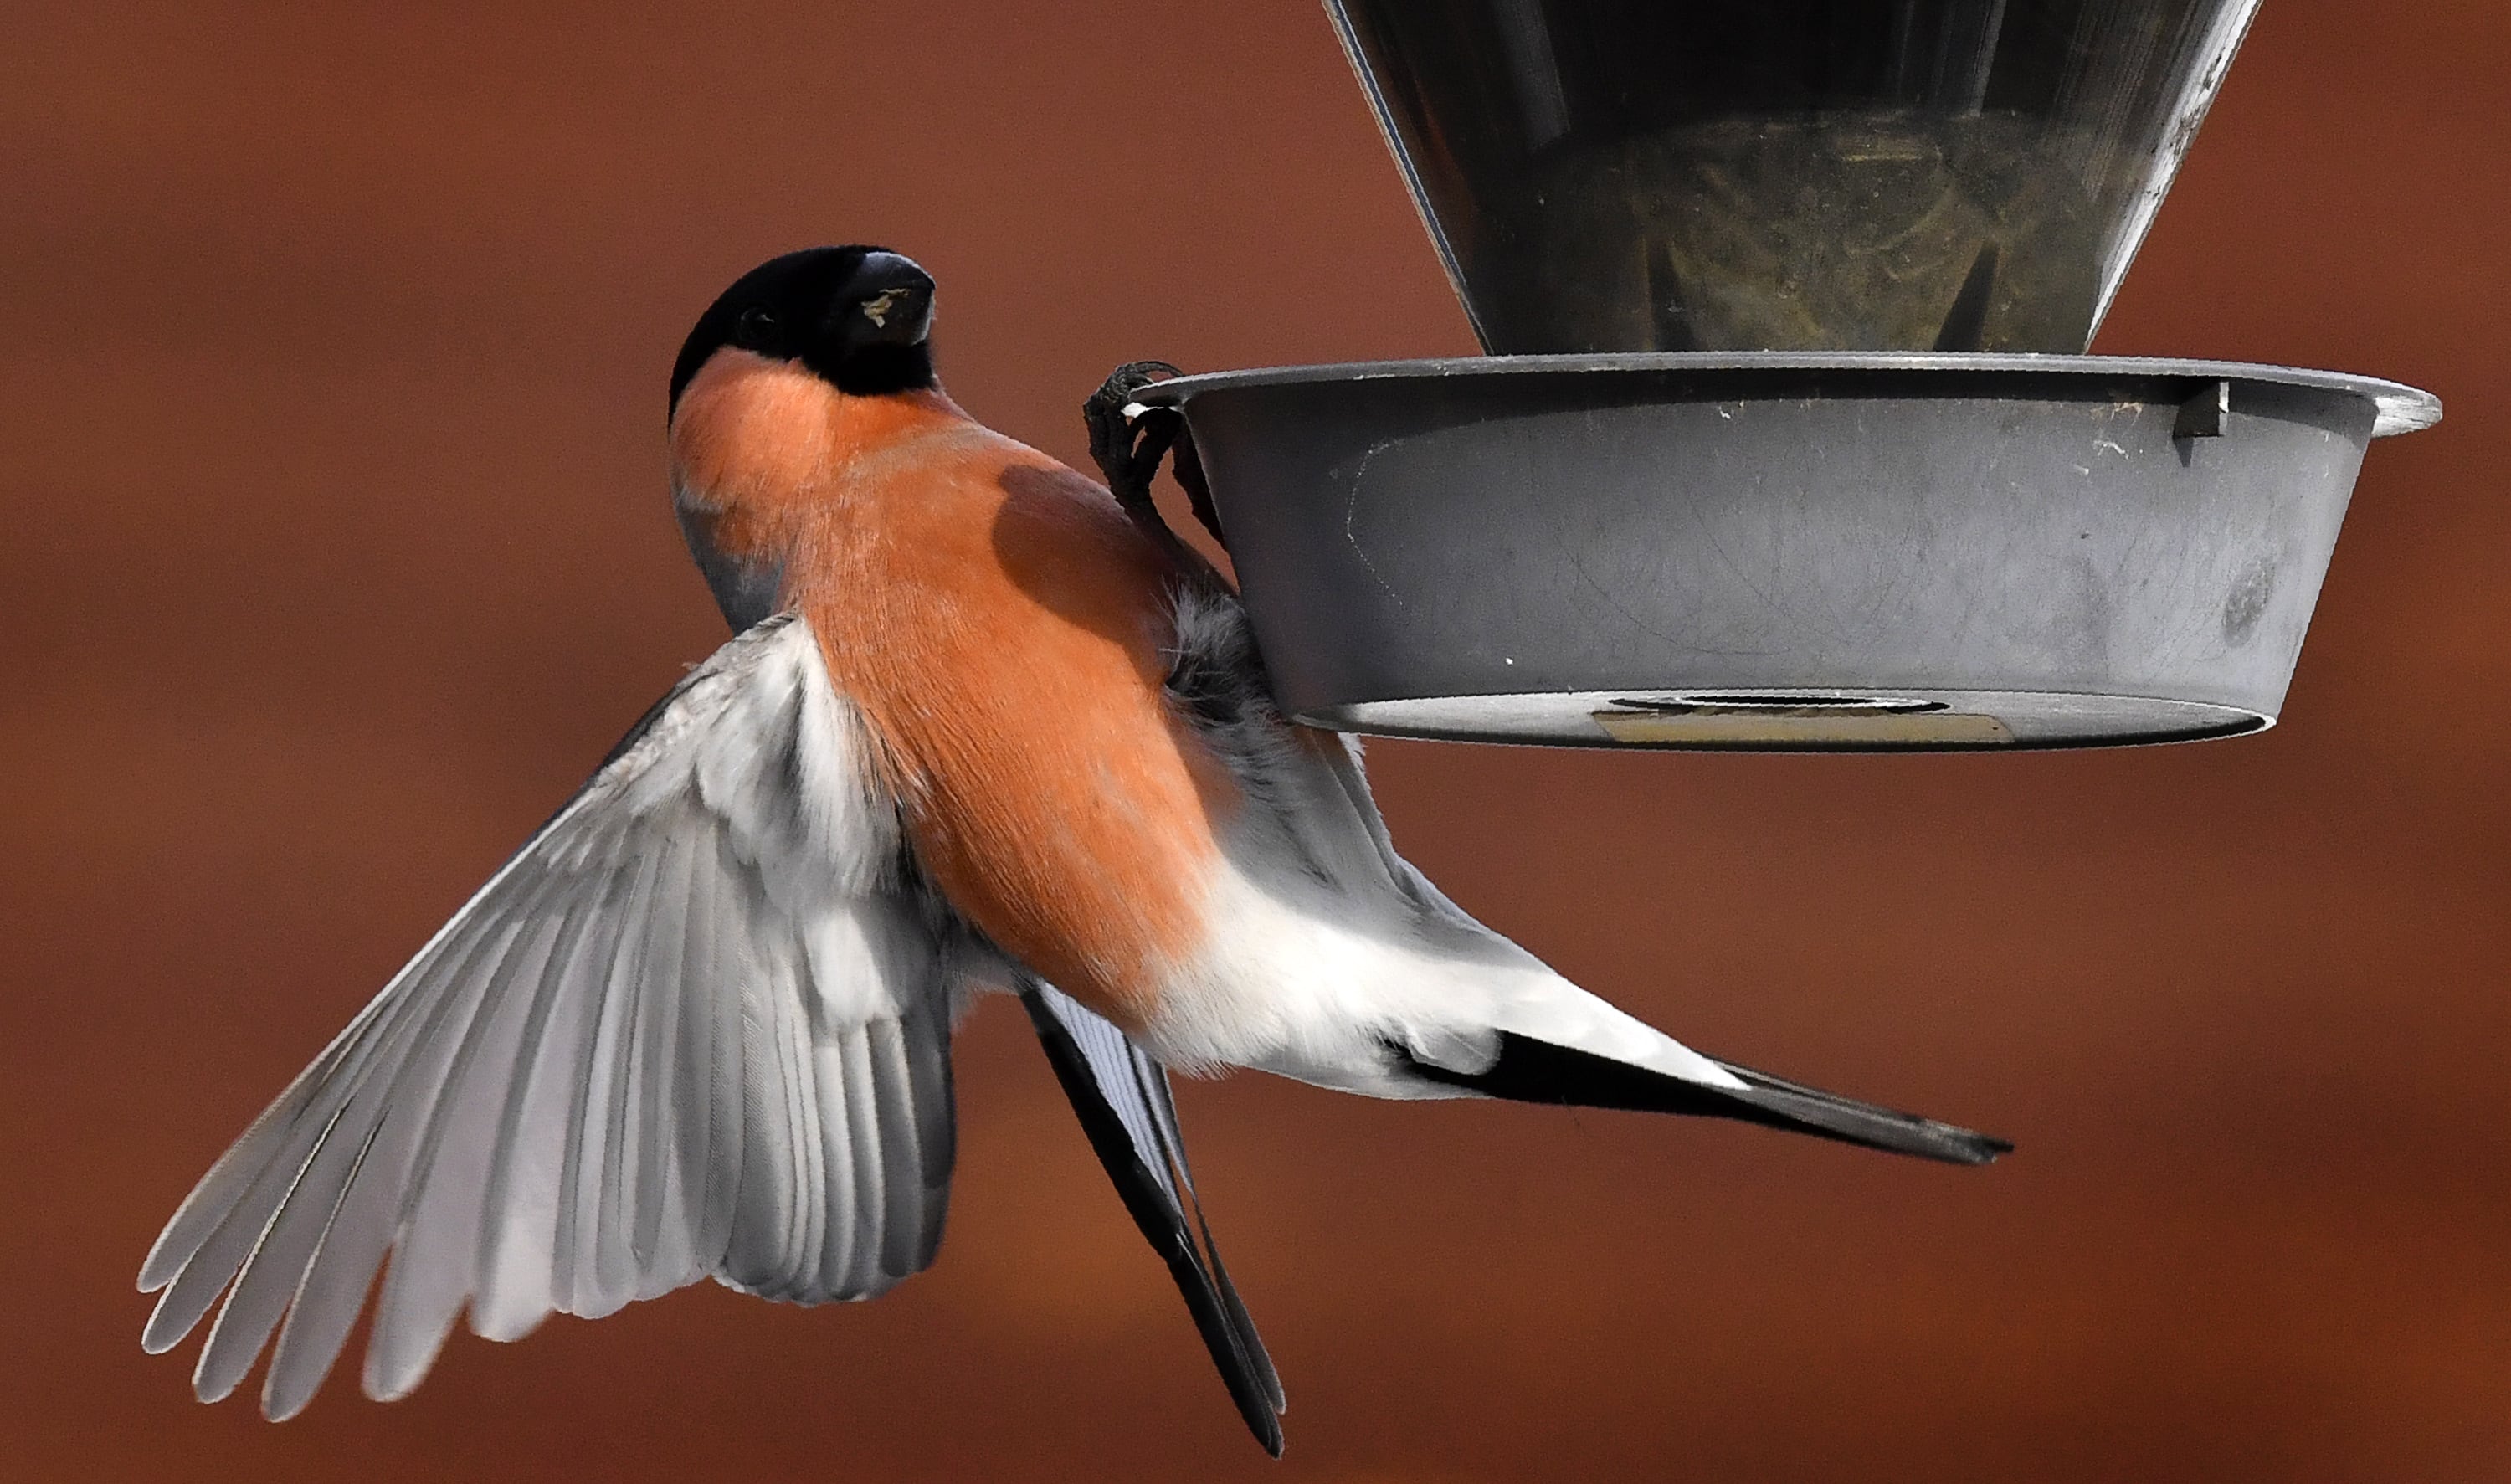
{"points": [[1786, 441], [1721, 719]]}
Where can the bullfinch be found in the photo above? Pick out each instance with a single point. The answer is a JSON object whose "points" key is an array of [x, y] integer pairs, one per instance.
{"points": [[983, 727]]}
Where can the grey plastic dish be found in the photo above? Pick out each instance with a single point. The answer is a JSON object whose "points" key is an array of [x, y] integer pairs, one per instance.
{"points": [[1836, 551]]}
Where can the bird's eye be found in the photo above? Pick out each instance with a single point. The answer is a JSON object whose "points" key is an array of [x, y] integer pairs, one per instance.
{"points": [[756, 327]]}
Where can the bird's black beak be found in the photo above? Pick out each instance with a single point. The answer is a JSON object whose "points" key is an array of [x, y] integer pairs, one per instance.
{"points": [[892, 302], [872, 334], [900, 316]]}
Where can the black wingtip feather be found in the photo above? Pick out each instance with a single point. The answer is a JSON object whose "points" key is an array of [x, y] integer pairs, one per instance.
{"points": [[1530, 1071], [1227, 1332]]}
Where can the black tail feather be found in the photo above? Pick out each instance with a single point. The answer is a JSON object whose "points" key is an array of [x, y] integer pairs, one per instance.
{"points": [[1530, 1071], [1143, 1158]]}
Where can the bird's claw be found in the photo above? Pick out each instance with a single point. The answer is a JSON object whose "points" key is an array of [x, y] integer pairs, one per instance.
{"points": [[1127, 440]]}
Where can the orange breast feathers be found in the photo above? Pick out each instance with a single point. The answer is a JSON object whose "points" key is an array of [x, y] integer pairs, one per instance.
{"points": [[1004, 628]]}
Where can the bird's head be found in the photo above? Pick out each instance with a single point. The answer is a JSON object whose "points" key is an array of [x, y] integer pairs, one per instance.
{"points": [[857, 317], [805, 360]]}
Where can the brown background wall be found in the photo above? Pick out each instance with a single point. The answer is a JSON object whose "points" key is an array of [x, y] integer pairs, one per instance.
{"points": [[332, 361]]}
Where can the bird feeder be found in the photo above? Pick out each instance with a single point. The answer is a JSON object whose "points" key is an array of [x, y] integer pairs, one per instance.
{"points": [[1786, 438]]}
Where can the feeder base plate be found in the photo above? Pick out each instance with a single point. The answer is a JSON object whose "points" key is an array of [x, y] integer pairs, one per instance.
{"points": [[1738, 721]]}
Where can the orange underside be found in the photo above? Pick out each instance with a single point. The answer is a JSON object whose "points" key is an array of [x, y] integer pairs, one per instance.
{"points": [[1001, 624]]}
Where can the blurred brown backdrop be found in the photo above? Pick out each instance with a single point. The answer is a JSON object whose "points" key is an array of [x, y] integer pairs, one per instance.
{"points": [[333, 348]]}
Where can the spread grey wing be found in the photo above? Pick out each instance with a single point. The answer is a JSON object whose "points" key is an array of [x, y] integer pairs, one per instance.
{"points": [[695, 1028], [1122, 1098]]}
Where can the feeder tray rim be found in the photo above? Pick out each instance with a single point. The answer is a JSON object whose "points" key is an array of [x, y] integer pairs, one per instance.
{"points": [[2402, 408]]}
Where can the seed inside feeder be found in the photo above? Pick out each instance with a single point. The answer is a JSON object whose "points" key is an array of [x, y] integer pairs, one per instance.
{"points": [[1854, 231], [1791, 175]]}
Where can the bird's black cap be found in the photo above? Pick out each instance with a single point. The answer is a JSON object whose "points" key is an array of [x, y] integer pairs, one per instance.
{"points": [[857, 317]]}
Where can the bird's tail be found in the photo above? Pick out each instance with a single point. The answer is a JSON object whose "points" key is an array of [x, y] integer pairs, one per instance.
{"points": [[1528, 1070]]}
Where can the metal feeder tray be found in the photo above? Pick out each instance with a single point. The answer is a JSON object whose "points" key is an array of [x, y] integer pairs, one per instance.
{"points": [[1836, 551]]}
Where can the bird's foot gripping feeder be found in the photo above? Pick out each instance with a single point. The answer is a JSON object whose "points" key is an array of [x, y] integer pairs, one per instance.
{"points": [[1786, 442]]}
